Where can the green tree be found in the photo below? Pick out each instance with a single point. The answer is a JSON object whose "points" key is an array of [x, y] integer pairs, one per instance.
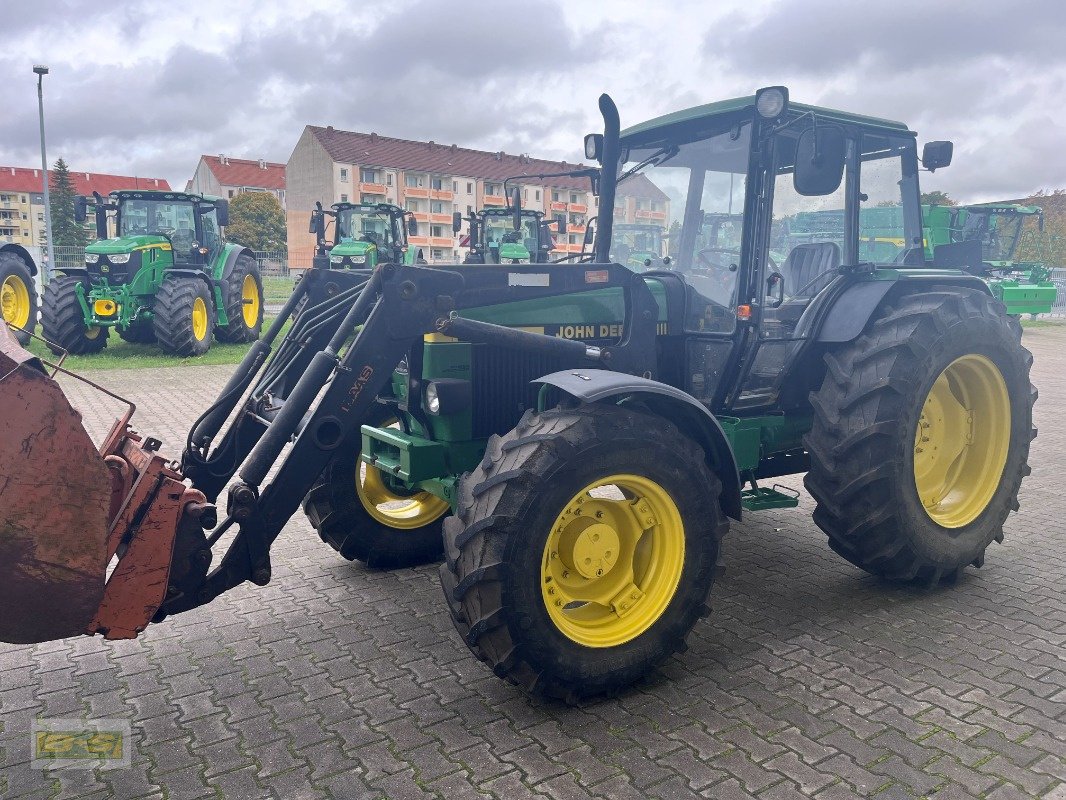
{"points": [[66, 232], [673, 238], [937, 198], [256, 220]]}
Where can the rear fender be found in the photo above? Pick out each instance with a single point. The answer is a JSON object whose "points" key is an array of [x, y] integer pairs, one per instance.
{"points": [[691, 416], [227, 260], [23, 254]]}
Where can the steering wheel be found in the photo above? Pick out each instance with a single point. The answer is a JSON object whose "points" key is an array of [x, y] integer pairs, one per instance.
{"points": [[707, 257]]}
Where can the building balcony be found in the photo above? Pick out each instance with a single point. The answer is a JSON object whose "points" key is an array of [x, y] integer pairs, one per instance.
{"points": [[412, 191], [644, 214], [420, 241], [372, 188], [442, 241], [421, 216], [493, 200], [442, 194], [576, 229], [578, 208], [555, 206], [443, 219]]}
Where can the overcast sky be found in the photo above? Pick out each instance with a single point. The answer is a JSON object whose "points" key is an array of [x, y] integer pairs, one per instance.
{"points": [[140, 87]]}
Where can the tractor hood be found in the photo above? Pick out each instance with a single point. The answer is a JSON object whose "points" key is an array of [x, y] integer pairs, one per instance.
{"points": [[127, 244], [510, 250], [352, 247]]}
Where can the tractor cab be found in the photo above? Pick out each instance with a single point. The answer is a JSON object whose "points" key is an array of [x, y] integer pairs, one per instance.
{"points": [[365, 234], [997, 226], [638, 246], [511, 235], [150, 228]]}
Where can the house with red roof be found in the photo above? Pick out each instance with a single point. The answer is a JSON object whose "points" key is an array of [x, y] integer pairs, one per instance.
{"points": [[225, 176], [22, 198]]}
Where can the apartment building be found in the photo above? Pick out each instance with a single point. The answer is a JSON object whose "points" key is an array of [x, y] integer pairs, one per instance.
{"points": [[228, 177], [430, 180], [22, 199]]}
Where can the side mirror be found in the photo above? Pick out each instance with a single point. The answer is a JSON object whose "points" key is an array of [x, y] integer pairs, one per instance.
{"points": [[81, 206], [594, 146], [936, 155], [222, 215], [819, 161], [516, 209], [317, 225], [457, 221], [587, 239], [412, 226]]}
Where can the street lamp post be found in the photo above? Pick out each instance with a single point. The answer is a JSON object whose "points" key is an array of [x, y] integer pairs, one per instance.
{"points": [[41, 71]]}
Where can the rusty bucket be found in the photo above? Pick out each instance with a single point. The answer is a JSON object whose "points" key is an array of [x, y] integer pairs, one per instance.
{"points": [[55, 494]]}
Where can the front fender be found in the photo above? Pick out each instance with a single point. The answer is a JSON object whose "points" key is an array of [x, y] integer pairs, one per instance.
{"points": [[228, 259], [23, 254], [681, 408]]}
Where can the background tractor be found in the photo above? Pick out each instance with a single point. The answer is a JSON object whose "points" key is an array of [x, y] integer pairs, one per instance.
{"points": [[167, 276], [18, 290], [574, 439], [365, 235], [511, 235], [638, 246]]}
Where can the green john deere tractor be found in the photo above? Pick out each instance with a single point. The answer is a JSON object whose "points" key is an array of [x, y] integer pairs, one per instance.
{"points": [[167, 276], [18, 290], [1024, 287], [638, 246], [574, 439], [511, 235], [365, 235]]}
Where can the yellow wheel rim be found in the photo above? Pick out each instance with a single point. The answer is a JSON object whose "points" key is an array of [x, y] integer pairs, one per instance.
{"points": [[250, 301], [403, 512], [15, 301], [93, 332], [613, 560], [960, 446], [199, 319]]}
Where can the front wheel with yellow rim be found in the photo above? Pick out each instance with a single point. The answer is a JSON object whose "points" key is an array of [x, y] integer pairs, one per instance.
{"points": [[921, 436], [583, 549], [183, 316], [244, 302], [366, 516], [63, 319], [18, 294]]}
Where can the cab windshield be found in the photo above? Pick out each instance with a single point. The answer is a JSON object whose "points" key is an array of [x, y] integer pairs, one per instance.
{"points": [[138, 217], [499, 229], [998, 233], [367, 224], [628, 241]]}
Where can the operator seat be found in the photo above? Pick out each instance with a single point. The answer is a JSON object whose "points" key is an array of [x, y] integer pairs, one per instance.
{"points": [[804, 263]]}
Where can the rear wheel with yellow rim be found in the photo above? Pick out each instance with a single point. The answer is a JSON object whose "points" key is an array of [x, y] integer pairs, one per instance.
{"points": [[921, 436], [244, 302], [583, 549], [364, 516], [18, 294]]}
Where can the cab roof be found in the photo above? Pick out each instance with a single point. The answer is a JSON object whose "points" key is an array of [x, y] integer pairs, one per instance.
{"points": [[383, 207], [177, 197], [745, 106], [1004, 208]]}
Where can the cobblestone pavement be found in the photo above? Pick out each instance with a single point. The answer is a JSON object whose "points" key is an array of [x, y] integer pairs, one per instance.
{"points": [[809, 679]]}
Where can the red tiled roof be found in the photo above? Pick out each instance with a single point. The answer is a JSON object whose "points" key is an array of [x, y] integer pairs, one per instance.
{"points": [[27, 179], [246, 172], [641, 187], [372, 150]]}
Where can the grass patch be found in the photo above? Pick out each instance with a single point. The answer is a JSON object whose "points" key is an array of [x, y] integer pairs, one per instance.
{"points": [[120, 354], [1043, 323], [276, 289]]}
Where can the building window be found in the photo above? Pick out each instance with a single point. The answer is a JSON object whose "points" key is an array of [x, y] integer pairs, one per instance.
{"points": [[436, 230], [469, 209], [470, 188], [413, 181], [388, 179], [22, 198], [555, 197], [525, 194], [437, 183], [344, 174], [437, 254], [411, 205], [368, 176], [536, 195], [25, 215], [344, 198], [371, 198], [492, 189], [40, 216], [573, 197], [455, 186], [231, 193], [437, 207]]}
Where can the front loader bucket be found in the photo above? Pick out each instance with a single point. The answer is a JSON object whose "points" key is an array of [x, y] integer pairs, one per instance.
{"points": [[68, 509], [55, 493]]}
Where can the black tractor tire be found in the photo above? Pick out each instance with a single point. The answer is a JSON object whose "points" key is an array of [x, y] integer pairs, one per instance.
{"points": [[172, 320], [865, 436], [16, 278], [335, 509], [63, 321], [238, 329], [495, 546], [138, 333]]}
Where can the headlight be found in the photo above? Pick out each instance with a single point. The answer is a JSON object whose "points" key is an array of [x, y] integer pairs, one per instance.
{"points": [[336, 259], [432, 399], [91, 258], [358, 259], [771, 101], [119, 258]]}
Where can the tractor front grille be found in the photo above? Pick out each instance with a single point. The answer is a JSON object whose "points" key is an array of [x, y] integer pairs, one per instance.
{"points": [[502, 388]]}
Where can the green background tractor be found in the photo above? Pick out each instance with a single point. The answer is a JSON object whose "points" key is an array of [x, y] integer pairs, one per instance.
{"points": [[166, 276], [638, 246], [511, 235], [18, 290], [365, 235]]}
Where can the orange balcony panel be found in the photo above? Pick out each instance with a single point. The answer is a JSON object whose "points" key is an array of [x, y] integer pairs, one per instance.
{"points": [[442, 241], [558, 206], [619, 211], [576, 228], [579, 208], [421, 216], [442, 194], [411, 191], [422, 241], [372, 188], [643, 214], [492, 200], [442, 218]]}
